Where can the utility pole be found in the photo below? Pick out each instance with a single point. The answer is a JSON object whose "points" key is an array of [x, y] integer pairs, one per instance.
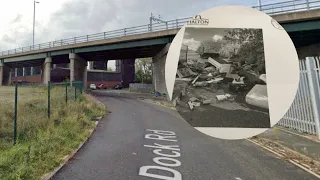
{"points": [[158, 20], [34, 17]]}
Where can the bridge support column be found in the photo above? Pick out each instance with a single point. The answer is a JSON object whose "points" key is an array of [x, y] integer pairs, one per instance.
{"points": [[46, 70], [158, 70], [4, 74], [127, 70], [78, 69], [118, 65]]}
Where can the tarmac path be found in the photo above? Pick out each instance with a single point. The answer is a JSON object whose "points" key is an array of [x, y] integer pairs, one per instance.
{"points": [[140, 141]]}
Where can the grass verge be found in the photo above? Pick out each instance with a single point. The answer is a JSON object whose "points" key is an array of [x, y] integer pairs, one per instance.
{"points": [[42, 143]]}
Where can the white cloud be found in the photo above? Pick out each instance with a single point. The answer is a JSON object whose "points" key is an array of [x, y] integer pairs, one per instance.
{"points": [[56, 19], [191, 43], [217, 38]]}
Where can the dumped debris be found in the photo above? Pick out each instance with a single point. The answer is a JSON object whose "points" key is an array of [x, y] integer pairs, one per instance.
{"points": [[229, 79], [185, 72], [221, 65], [200, 84], [196, 104], [263, 77], [193, 99], [232, 76], [258, 96], [206, 102], [215, 80], [238, 81], [225, 97], [196, 79], [190, 105]]}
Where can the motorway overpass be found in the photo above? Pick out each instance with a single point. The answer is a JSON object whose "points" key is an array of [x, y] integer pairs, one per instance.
{"points": [[137, 42]]}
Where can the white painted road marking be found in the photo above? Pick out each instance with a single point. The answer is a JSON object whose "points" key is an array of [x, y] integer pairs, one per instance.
{"points": [[166, 154]]}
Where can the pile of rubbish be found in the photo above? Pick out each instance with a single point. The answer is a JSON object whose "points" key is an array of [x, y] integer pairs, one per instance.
{"points": [[195, 102], [216, 72]]}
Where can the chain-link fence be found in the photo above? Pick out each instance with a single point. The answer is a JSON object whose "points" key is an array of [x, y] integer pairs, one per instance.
{"points": [[26, 106]]}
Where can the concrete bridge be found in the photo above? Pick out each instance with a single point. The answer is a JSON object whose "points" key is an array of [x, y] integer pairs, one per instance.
{"points": [[131, 43]]}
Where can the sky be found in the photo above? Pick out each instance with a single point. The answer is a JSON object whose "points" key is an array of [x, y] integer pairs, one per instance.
{"points": [[194, 36], [59, 19]]}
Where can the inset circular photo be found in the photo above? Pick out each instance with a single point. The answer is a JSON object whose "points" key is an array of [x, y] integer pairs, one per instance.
{"points": [[232, 72]]}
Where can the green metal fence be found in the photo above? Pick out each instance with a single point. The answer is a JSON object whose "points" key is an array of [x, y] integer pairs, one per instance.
{"points": [[37, 101]]}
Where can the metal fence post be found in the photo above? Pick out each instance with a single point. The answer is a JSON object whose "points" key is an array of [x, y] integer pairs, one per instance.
{"points": [[81, 86], [125, 31], [187, 53], [310, 64], [75, 92], [49, 91], [66, 92], [87, 38], [15, 115], [308, 6], [177, 23]]}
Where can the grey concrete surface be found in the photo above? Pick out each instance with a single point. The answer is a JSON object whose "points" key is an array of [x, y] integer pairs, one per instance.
{"points": [[297, 16], [116, 150]]}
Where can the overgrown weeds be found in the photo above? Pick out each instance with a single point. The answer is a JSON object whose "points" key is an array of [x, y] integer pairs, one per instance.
{"points": [[42, 142]]}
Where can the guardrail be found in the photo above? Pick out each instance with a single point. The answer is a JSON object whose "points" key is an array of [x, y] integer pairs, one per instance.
{"points": [[289, 6], [271, 9]]}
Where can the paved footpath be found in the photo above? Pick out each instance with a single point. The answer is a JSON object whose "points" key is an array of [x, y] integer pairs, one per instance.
{"points": [[140, 141]]}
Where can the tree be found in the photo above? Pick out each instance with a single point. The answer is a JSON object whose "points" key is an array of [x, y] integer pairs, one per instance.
{"points": [[143, 68], [251, 48], [209, 46], [109, 69], [229, 49]]}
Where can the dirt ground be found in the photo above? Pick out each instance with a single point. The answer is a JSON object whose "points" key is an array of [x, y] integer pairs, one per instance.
{"points": [[219, 114]]}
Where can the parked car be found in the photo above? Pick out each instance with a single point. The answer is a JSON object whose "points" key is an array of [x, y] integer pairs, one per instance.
{"points": [[93, 87], [102, 86]]}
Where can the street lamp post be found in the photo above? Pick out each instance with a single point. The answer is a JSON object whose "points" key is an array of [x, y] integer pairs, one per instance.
{"points": [[259, 4], [34, 17]]}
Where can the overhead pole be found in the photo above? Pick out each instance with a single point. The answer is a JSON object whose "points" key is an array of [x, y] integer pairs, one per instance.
{"points": [[158, 20], [34, 17], [259, 4]]}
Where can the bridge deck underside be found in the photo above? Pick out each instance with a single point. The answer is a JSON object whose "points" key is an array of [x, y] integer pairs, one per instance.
{"points": [[126, 53], [20, 64], [305, 38]]}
